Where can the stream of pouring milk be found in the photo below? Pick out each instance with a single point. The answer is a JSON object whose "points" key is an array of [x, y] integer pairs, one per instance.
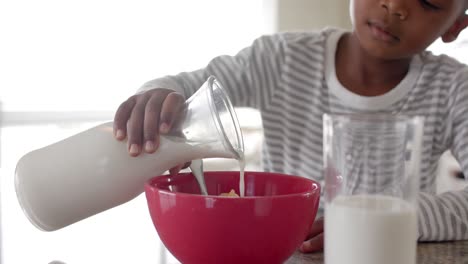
{"points": [[197, 171], [241, 176]]}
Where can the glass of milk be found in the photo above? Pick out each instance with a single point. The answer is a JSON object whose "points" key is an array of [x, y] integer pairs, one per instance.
{"points": [[371, 171]]}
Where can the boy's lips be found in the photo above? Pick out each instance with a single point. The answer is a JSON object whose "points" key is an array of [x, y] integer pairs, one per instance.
{"points": [[382, 32]]}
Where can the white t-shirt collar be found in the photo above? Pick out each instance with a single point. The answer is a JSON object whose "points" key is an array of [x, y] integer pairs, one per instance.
{"points": [[366, 102]]}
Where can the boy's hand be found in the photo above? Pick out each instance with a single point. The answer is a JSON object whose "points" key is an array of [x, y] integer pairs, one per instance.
{"points": [[314, 240], [142, 117]]}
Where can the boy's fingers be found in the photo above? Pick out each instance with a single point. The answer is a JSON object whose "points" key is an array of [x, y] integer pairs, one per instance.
{"points": [[315, 237], [186, 165], [140, 116], [312, 245], [121, 117], [174, 171], [151, 122], [135, 127], [171, 107], [317, 228]]}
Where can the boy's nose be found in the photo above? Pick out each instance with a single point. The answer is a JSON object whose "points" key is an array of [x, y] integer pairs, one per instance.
{"points": [[396, 7]]}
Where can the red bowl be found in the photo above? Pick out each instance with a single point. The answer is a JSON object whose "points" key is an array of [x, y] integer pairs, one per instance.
{"points": [[266, 226]]}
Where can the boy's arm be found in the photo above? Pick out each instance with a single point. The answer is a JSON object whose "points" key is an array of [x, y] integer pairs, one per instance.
{"points": [[249, 77], [445, 216]]}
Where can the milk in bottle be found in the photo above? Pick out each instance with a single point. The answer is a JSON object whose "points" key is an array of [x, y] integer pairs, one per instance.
{"points": [[90, 172]]}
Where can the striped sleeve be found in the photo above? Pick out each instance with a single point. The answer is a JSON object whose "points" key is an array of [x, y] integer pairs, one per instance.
{"points": [[445, 216], [249, 77]]}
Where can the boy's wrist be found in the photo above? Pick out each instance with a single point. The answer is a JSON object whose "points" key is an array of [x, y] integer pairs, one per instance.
{"points": [[166, 83]]}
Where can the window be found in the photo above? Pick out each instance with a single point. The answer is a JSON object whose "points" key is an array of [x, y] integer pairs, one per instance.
{"points": [[66, 66]]}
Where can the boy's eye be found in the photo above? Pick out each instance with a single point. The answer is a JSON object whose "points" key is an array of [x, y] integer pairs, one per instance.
{"points": [[429, 5]]}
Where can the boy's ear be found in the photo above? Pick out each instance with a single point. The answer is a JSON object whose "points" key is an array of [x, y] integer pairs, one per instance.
{"points": [[452, 33]]}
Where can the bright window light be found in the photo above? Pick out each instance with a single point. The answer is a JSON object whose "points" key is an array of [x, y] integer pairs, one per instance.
{"points": [[90, 55], [75, 55]]}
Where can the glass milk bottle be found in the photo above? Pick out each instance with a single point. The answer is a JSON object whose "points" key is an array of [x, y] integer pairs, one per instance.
{"points": [[90, 172], [371, 167]]}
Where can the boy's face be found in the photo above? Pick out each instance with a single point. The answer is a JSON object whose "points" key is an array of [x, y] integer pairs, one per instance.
{"points": [[396, 29]]}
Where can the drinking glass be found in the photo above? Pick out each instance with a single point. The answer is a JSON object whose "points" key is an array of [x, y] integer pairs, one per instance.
{"points": [[371, 170]]}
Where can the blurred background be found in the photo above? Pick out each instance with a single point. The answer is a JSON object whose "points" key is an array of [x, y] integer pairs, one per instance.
{"points": [[66, 66]]}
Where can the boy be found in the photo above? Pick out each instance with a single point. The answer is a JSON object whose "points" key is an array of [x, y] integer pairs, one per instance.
{"points": [[293, 78]]}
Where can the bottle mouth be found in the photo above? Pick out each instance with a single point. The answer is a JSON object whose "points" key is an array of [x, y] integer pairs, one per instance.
{"points": [[229, 127]]}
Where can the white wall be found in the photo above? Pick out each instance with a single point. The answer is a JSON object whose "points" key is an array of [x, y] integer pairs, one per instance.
{"points": [[312, 14]]}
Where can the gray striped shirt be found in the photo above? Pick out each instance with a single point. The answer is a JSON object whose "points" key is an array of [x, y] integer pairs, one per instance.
{"points": [[291, 79]]}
